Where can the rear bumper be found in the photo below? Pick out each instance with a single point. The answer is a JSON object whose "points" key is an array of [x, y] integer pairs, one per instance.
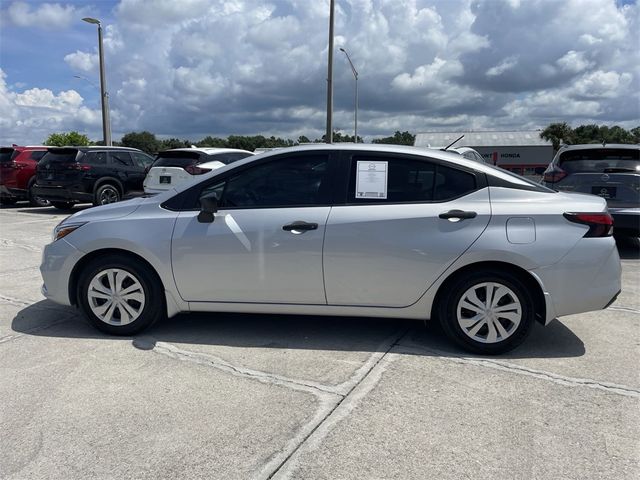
{"points": [[8, 192], [61, 194], [587, 279], [626, 220]]}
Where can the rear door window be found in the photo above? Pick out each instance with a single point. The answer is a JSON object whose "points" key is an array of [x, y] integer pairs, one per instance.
{"points": [[412, 180], [95, 158]]}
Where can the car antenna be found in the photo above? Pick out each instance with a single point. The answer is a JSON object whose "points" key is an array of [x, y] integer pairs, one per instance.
{"points": [[457, 139]]}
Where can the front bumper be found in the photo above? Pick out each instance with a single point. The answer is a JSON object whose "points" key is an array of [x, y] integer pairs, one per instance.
{"points": [[58, 260]]}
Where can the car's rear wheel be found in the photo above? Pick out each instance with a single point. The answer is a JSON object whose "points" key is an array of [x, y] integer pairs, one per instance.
{"points": [[63, 205], [120, 296], [34, 200], [487, 313], [106, 194]]}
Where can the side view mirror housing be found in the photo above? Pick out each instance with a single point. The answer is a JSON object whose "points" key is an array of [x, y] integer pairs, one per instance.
{"points": [[208, 206]]}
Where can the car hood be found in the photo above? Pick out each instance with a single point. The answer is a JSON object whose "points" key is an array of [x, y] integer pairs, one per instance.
{"points": [[106, 212]]}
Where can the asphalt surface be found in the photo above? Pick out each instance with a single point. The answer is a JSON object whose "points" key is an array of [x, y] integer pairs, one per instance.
{"points": [[223, 396]]}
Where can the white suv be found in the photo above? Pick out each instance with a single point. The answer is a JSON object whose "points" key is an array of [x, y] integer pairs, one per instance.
{"points": [[180, 165]]}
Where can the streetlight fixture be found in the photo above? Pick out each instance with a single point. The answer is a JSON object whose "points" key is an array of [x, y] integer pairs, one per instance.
{"points": [[355, 75], [106, 125], [82, 77]]}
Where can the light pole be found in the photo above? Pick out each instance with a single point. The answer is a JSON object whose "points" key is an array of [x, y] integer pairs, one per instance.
{"points": [[329, 134], [355, 74], [106, 125]]}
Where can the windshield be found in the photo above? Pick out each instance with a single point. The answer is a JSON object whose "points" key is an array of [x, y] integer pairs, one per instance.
{"points": [[600, 160]]}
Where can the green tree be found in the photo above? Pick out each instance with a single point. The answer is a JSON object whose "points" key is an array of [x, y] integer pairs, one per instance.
{"points": [[303, 139], [558, 133], [64, 139], [145, 141], [170, 143], [635, 134], [398, 138], [212, 142]]}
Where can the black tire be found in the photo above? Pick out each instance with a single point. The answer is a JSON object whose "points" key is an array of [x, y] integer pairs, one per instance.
{"points": [[63, 205], [152, 310], [34, 200], [516, 334], [8, 201], [105, 194]]}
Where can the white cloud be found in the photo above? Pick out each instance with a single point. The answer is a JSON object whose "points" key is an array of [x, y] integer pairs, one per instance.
{"points": [[45, 15], [82, 61], [28, 117], [504, 66], [219, 67]]}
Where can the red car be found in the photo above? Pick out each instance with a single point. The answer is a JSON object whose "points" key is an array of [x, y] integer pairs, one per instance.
{"points": [[18, 174]]}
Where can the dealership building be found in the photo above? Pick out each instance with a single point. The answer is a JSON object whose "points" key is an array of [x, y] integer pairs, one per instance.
{"points": [[519, 151]]}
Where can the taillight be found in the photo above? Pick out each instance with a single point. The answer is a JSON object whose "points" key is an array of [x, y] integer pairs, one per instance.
{"points": [[80, 166], [554, 174], [194, 170], [600, 224]]}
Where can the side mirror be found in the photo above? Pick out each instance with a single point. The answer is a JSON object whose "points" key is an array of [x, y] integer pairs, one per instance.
{"points": [[540, 170], [208, 206]]}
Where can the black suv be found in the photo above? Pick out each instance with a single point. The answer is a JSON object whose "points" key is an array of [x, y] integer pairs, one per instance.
{"points": [[100, 175]]}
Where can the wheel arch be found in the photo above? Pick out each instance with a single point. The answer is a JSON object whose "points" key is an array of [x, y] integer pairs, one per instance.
{"points": [[532, 284], [89, 257], [108, 180]]}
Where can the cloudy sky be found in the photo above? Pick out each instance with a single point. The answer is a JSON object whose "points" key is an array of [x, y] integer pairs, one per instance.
{"points": [[191, 68]]}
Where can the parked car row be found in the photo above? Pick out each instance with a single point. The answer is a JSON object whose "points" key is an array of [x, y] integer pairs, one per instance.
{"points": [[65, 176]]}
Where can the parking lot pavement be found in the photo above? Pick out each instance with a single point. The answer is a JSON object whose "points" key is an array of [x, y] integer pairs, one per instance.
{"points": [[253, 396]]}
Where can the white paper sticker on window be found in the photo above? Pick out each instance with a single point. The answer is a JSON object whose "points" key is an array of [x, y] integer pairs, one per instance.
{"points": [[371, 179]]}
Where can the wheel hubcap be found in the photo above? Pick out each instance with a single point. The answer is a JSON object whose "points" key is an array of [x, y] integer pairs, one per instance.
{"points": [[489, 312], [108, 195], [116, 297]]}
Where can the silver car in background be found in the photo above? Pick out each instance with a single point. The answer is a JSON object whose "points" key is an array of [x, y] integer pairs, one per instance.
{"points": [[349, 230], [611, 171]]}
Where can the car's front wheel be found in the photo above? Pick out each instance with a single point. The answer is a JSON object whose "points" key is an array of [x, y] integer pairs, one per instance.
{"points": [[119, 295], [487, 313], [106, 194]]}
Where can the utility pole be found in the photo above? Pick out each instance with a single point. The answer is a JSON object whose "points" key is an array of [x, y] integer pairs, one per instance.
{"points": [[329, 134]]}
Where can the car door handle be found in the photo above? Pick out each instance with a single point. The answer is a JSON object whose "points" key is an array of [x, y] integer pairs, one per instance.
{"points": [[300, 227], [457, 214]]}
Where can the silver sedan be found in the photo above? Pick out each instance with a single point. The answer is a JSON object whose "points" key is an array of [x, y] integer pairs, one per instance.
{"points": [[357, 230]]}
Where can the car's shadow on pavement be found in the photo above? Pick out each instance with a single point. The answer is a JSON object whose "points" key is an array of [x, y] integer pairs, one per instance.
{"points": [[293, 332], [628, 247]]}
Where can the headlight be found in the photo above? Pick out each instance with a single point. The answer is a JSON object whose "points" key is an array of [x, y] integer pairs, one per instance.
{"points": [[62, 231]]}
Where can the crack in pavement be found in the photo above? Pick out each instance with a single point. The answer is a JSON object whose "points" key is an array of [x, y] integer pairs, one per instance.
{"points": [[521, 370], [330, 396]]}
